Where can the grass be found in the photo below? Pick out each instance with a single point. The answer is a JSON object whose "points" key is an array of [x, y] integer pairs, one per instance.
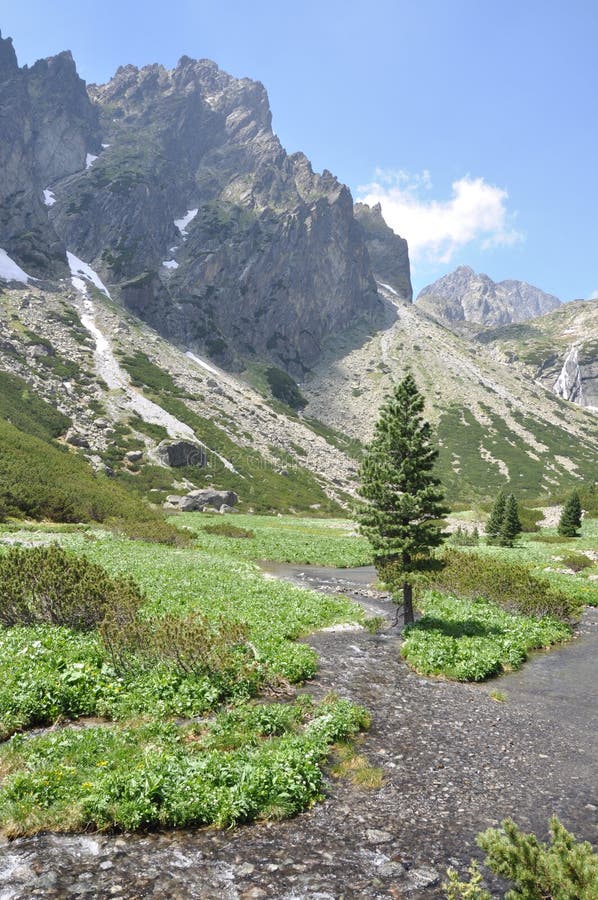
{"points": [[241, 761], [324, 542], [472, 640]]}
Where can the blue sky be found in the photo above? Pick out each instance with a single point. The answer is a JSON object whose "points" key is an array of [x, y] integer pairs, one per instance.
{"points": [[473, 122]]}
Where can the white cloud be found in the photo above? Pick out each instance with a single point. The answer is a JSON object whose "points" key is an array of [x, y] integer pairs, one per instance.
{"points": [[437, 229]]}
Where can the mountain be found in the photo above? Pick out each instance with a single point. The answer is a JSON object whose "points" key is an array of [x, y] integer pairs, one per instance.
{"points": [[388, 252], [48, 126], [208, 270], [206, 228], [466, 296], [496, 425], [558, 350]]}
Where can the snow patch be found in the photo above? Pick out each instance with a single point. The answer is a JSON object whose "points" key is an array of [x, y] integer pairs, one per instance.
{"points": [[82, 272], [181, 224], [170, 264], [49, 198], [89, 160], [387, 287], [105, 146], [202, 363], [10, 271]]}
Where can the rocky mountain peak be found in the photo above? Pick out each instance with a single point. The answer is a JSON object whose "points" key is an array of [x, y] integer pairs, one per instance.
{"points": [[468, 296], [388, 252], [8, 58]]}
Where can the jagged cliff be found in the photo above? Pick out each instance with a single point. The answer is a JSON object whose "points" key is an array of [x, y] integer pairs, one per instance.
{"points": [[212, 232], [466, 296], [388, 252], [48, 126]]}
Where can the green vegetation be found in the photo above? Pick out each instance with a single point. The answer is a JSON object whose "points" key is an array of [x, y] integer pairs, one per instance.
{"points": [[198, 630], [570, 520], [323, 542], [23, 409], [256, 761], [49, 585], [512, 585], [284, 388], [404, 503], [471, 640], [562, 869], [41, 480]]}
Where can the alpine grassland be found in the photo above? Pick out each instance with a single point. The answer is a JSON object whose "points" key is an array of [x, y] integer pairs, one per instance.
{"points": [[172, 688]]}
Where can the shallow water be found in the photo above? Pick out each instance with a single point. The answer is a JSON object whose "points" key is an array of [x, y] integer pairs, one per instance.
{"points": [[454, 761]]}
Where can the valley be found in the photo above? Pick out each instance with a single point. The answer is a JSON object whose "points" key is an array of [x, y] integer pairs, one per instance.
{"points": [[205, 687]]}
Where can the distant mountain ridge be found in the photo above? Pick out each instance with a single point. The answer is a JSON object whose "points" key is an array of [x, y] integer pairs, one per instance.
{"points": [[466, 296]]}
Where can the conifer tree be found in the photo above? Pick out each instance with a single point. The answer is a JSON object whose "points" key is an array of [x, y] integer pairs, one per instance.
{"points": [[495, 519], [510, 526], [570, 520], [403, 499]]}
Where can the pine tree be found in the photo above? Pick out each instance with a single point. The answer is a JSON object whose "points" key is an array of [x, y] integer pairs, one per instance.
{"points": [[510, 526], [495, 519], [403, 499], [570, 520]]}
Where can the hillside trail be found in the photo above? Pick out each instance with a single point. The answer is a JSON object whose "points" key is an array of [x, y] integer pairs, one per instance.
{"points": [[453, 761]]}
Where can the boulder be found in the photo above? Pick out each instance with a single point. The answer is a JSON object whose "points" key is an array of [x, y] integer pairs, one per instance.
{"points": [[134, 456], [198, 500], [182, 453], [76, 440]]}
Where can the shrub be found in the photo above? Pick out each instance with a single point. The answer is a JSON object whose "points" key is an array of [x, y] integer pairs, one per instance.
{"points": [[511, 585], [576, 561], [464, 538], [284, 388], [192, 645], [563, 869], [48, 585], [226, 529]]}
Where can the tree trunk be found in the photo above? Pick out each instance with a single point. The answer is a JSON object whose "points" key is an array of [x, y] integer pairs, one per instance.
{"points": [[407, 603]]}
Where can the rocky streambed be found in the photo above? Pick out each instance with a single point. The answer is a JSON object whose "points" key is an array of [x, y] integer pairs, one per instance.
{"points": [[454, 761]]}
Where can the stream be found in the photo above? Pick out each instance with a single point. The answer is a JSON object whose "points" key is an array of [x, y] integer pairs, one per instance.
{"points": [[454, 761]]}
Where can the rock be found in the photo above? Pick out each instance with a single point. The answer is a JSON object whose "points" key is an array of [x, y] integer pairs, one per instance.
{"points": [[76, 440], [388, 252], [134, 455], [181, 453], [198, 500], [226, 509]]}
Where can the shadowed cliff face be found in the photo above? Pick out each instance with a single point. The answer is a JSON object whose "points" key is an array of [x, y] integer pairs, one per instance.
{"points": [[215, 235], [388, 252], [48, 125]]}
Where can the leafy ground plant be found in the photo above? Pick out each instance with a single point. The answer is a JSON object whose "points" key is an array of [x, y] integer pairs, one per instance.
{"points": [[471, 640], [257, 762]]}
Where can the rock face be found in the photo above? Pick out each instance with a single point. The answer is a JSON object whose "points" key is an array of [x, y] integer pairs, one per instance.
{"points": [[214, 235], [51, 126], [558, 350], [181, 453], [195, 501], [465, 296], [388, 252]]}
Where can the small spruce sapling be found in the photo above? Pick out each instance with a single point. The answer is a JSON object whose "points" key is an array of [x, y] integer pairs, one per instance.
{"points": [[510, 526], [570, 520], [495, 519]]}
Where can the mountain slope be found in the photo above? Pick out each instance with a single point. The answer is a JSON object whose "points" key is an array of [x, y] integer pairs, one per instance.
{"points": [[466, 296], [559, 349], [122, 390], [495, 425]]}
